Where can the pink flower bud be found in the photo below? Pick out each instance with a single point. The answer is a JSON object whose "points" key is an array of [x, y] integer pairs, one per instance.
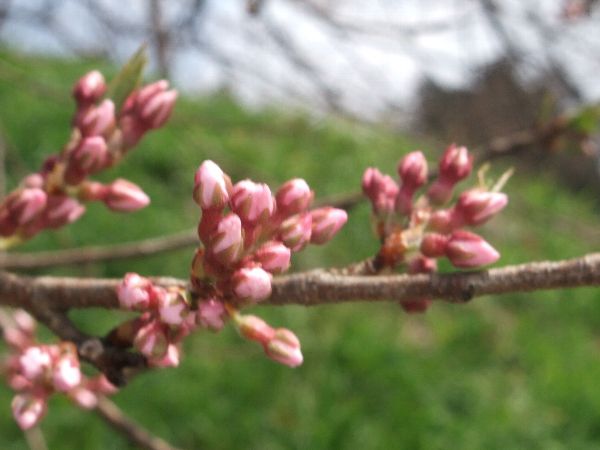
{"points": [[251, 284], [24, 321], [251, 201], [254, 329], [134, 292], [132, 130], [293, 197], [61, 210], [211, 314], [477, 206], [89, 88], [28, 409], [125, 196], [434, 245], [326, 222], [96, 120], [295, 231], [211, 186], [380, 189], [155, 111], [84, 398], [66, 373], [466, 250], [35, 362], [24, 205], [226, 244], [413, 171], [33, 180], [90, 156], [456, 164], [151, 340], [171, 358], [172, 308], [273, 256], [284, 348], [101, 385]]}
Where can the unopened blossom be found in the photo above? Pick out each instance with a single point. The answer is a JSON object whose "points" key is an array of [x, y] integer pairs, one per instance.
{"points": [[252, 202], [325, 223], [455, 165], [35, 362], [467, 250], [476, 206], [61, 210], [293, 197], [134, 292], [172, 307], [273, 256], [96, 120], [20, 208], [89, 88], [380, 189], [151, 340], [125, 196], [90, 156], [295, 232], [211, 186], [66, 373], [211, 314], [28, 409], [226, 242], [284, 347], [251, 284]]}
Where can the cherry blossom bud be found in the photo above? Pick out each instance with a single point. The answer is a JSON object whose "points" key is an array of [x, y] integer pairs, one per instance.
{"points": [[134, 292], [434, 245], [89, 88], [172, 308], [132, 130], [90, 156], [84, 398], [326, 222], [125, 196], [171, 358], [284, 347], [466, 250], [251, 201], [456, 164], [211, 314], [155, 110], [380, 189], [413, 170], [100, 384], [33, 180], [22, 206], [66, 373], [293, 197], [295, 231], [151, 340], [61, 210], [477, 206], [227, 242], [211, 186], [96, 120], [254, 328], [251, 284], [273, 256], [28, 409], [35, 362]]}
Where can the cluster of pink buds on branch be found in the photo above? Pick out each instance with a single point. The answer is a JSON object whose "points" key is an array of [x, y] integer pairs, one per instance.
{"points": [[417, 224], [101, 136], [248, 235], [36, 371]]}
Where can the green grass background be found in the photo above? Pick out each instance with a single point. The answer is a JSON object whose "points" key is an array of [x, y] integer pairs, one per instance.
{"points": [[513, 372]]}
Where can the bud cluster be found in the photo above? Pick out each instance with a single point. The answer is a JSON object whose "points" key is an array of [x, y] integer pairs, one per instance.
{"points": [[101, 136], [248, 235], [165, 320], [37, 371], [416, 229]]}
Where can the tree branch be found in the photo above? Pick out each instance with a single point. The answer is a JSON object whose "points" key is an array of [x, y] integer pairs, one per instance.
{"points": [[322, 287], [134, 432]]}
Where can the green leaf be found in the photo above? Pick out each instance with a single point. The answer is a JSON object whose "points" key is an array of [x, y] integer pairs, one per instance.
{"points": [[587, 120], [129, 78]]}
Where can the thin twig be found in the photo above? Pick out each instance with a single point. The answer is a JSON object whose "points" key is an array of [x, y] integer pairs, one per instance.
{"points": [[133, 431], [147, 247]]}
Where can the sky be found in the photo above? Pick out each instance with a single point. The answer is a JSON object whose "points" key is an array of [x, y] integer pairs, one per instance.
{"points": [[369, 73]]}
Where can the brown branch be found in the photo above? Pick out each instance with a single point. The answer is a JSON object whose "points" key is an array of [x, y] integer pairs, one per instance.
{"points": [[322, 287], [147, 247], [134, 432]]}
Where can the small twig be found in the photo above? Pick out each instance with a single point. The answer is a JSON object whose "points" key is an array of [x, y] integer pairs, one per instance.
{"points": [[147, 247], [35, 439], [134, 432]]}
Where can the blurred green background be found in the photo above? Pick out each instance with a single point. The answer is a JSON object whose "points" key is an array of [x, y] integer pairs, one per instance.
{"points": [[513, 372]]}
